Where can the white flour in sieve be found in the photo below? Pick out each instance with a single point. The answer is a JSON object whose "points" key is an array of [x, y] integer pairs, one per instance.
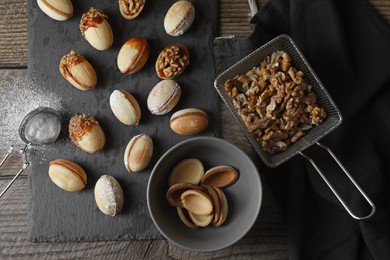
{"points": [[19, 96]]}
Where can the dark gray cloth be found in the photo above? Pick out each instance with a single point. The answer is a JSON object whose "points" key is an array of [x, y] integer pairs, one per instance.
{"points": [[347, 44]]}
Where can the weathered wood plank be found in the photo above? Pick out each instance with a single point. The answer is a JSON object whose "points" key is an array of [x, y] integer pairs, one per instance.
{"points": [[13, 31]]}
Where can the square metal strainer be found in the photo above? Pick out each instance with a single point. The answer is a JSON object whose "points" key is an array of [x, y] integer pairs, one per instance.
{"points": [[333, 118], [312, 136]]}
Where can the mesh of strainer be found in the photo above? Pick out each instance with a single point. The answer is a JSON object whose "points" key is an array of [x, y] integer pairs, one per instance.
{"points": [[283, 43], [40, 126]]}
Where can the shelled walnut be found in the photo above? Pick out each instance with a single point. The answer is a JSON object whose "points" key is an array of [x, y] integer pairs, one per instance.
{"points": [[130, 9], [172, 61], [275, 102]]}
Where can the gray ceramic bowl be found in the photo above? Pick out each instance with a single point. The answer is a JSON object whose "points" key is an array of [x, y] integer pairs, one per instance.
{"points": [[244, 197]]}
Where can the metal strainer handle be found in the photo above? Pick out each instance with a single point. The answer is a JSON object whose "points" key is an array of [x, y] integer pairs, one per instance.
{"points": [[333, 189], [25, 165], [253, 7]]}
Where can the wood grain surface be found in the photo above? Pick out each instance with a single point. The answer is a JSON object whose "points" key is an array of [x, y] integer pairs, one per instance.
{"points": [[267, 239]]}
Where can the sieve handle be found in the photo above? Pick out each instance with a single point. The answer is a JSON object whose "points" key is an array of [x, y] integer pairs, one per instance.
{"points": [[253, 7], [10, 149], [25, 165], [350, 178]]}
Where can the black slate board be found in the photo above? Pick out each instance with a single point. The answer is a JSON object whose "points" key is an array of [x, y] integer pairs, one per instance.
{"points": [[57, 215]]}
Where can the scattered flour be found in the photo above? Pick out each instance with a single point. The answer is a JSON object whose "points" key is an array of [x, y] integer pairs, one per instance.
{"points": [[19, 96]]}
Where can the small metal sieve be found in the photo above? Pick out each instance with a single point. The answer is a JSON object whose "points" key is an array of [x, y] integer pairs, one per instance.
{"points": [[41, 126], [324, 100]]}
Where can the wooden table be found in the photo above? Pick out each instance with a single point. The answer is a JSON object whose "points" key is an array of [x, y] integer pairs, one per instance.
{"points": [[266, 240]]}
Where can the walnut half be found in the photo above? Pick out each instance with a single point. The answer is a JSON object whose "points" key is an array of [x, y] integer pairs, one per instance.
{"points": [[130, 9], [172, 61]]}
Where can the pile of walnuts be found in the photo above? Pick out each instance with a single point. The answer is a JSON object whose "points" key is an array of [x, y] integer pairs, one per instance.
{"points": [[275, 102]]}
